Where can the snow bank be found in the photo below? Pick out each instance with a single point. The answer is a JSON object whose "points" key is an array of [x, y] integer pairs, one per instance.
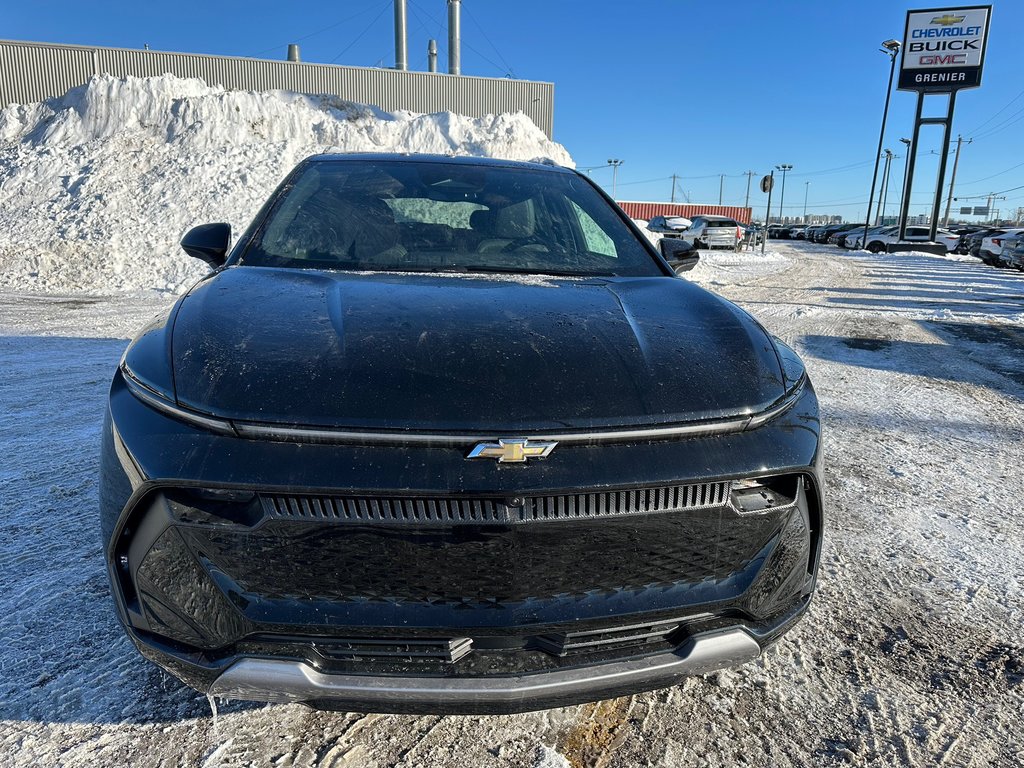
{"points": [[722, 268], [97, 187]]}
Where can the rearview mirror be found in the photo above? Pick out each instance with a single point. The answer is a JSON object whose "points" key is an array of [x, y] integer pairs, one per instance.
{"points": [[209, 243], [680, 254]]}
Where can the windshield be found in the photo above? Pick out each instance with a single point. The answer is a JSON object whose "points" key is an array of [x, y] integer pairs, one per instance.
{"points": [[413, 216]]}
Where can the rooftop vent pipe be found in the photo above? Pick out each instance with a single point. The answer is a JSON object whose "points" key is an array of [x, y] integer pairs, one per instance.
{"points": [[454, 37], [401, 37], [293, 52], [432, 56]]}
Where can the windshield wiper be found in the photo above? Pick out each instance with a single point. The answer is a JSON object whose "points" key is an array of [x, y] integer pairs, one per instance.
{"points": [[538, 272]]}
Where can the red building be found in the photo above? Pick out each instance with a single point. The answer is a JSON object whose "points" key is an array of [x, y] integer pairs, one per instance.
{"points": [[647, 211]]}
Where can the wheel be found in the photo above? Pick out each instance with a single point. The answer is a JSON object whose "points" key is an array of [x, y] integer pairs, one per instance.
{"points": [[875, 247]]}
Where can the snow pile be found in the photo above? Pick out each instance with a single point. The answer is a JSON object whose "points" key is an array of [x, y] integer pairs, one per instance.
{"points": [[721, 268], [97, 187]]}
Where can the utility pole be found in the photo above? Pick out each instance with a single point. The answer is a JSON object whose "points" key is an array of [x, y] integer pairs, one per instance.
{"points": [[807, 187], [749, 175], [952, 180], [674, 177], [721, 186], [615, 172]]}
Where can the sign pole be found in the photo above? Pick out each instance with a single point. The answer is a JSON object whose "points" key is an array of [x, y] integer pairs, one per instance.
{"points": [[943, 52], [771, 183], [940, 182], [908, 183]]}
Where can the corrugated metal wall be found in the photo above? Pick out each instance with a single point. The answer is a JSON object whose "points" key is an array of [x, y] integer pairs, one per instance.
{"points": [[31, 72], [648, 211]]}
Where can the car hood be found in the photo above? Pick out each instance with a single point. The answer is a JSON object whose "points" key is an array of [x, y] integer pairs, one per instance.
{"points": [[446, 352]]}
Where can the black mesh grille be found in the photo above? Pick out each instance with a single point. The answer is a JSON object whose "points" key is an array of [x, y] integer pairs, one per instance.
{"points": [[453, 511], [487, 564]]}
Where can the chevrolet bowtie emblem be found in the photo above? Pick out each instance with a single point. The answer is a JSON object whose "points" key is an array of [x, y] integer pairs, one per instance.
{"points": [[517, 450], [948, 20]]}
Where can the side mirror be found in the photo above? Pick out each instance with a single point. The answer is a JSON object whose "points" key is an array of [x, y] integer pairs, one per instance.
{"points": [[680, 254], [209, 243]]}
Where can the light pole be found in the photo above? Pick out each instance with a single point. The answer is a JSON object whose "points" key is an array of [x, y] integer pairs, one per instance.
{"points": [[615, 172], [906, 167], [885, 184], [807, 186], [890, 48], [784, 167]]}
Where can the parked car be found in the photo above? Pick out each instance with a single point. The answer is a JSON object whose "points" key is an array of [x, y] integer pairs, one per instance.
{"points": [[1016, 257], [838, 235], [963, 246], [822, 235], [992, 244], [797, 233], [445, 434], [879, 241], [856, 238], [669, 226], [778, 232], [812, 232], [974, 241], [753, 234], [713, 232], [1009, 244]]}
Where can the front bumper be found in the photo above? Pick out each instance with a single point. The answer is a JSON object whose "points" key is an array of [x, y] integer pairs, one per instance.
{"points": [[299, 588], [278, 680]]}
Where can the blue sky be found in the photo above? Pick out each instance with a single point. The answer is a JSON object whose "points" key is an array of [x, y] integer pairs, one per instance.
{"points": [[696, 89]]}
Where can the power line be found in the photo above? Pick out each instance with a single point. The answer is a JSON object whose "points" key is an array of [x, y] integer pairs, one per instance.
{"points": [[1005, 107], [1000, 173], [317, 32], [1003, 125], [835, 170], [647, 181], [360, 36], [483, 32], [503, 70]]}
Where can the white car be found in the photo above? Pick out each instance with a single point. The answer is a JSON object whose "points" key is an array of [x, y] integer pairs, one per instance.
{"points": [[713, 232], [877, 242], [992, 246], [856, 241]]}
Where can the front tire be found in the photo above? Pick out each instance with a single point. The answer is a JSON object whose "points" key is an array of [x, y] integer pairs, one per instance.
{"points": [[875, 247]]}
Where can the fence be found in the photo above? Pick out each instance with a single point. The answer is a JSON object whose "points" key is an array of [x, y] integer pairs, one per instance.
{"points": [[31, 72]]}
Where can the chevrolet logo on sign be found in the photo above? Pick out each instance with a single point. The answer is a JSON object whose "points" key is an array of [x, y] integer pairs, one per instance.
{"points": [[512, 451], [948, 20]]}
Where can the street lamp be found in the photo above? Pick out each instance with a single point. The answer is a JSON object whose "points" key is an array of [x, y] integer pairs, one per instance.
{"points": [[885, 183], [615, 172], [891, 48], [782, 196], [906, 168], [807, 187]]}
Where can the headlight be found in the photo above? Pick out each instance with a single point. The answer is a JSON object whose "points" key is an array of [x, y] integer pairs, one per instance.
{"points": [[162, 402]]}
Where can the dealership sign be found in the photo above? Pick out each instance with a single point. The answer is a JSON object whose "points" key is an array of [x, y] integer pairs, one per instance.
{"points": [[944, 49]]}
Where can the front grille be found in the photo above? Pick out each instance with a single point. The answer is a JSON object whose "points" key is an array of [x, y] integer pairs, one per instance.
{"points": [[404, 649], [476, 511], [613, 638]]}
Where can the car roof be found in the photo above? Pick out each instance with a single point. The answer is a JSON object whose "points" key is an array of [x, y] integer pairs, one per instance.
{"points": [[410, 157]]}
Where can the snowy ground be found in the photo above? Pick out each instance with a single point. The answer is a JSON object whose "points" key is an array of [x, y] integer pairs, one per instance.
{"points": [[913, 653]]}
